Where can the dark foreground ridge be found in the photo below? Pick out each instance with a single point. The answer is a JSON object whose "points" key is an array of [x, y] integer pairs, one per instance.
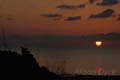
{"points": [[23, 66]]}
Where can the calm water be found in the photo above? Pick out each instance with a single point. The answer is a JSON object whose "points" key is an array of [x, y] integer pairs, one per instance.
{"points": [[80, 60]]}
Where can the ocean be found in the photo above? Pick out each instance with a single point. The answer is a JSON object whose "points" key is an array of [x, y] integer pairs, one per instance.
{"points": [[80, 60]]}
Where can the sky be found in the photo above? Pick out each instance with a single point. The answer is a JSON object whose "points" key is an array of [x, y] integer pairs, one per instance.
{"points": [[60, 17]]}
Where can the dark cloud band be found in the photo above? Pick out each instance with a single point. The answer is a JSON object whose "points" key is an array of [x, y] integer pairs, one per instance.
{"points": [[68, 7], [91, 1], [52, 15], [119, 18], [104, 14], [73, 18], [108, 2]]}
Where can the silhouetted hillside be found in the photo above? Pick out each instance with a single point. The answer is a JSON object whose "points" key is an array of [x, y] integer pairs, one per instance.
{"points": [[22, 67]]}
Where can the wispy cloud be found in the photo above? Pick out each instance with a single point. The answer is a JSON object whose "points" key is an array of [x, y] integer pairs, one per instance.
{"points": [[8, 17], [68, 7], [73, 18], [119, 18], [91, 1], [104, 14], [51, 15], [108, 2]]}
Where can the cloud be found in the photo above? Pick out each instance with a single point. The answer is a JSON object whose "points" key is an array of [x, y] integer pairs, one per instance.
{"points": [[91, 1], [81, 6], [0, 16], [73, 18], [104, 14], [52, 15], [119, 18], [65, 6], [108, 2], [8, 17]]}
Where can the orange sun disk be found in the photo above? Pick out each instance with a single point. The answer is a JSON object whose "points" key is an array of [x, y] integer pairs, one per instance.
{"points": [[98, 43]]}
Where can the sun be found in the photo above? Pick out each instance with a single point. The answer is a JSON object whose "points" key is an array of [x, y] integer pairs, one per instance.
{"points": [[98, 43]]}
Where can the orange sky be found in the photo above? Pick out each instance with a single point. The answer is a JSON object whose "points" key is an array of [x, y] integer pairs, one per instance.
{"points": [[26, 19]]}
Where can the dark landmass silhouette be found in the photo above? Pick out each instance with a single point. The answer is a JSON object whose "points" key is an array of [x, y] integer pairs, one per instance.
{"points": [[112, 36], [108, 36], [23, 66], [52, 41]]}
